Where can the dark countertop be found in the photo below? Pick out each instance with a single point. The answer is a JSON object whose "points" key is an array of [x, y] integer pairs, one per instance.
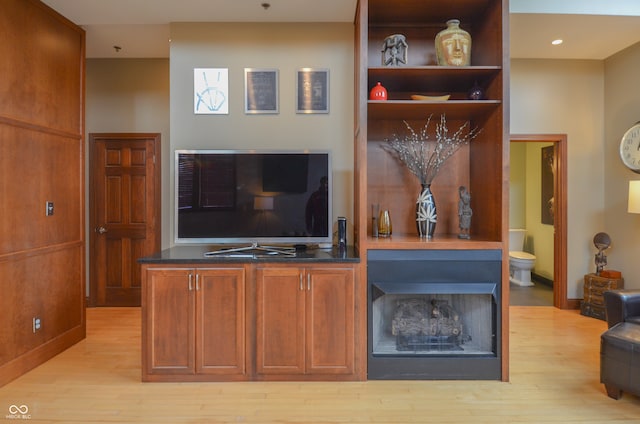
{"points": [[196, 255]]}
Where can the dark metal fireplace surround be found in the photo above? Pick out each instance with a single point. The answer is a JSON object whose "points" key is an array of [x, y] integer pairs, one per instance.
{"points": [[434, 314]]}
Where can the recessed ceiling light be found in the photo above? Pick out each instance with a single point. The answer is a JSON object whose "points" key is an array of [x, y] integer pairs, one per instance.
{"points": [[557, 42]]}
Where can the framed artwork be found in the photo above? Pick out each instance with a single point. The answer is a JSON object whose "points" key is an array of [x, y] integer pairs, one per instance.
{"points": [[547, 174], [312, 90], [211, 91], [260, 90]]}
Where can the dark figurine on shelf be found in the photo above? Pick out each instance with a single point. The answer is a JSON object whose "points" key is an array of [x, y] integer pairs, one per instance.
{"points": [[601, 261], [464, 212], [394, 50], [602, 241]]}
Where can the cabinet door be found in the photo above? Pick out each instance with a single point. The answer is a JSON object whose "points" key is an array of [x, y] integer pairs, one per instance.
{"points": [[169, 321], [330, 319], [280, 294], [220, 317]]}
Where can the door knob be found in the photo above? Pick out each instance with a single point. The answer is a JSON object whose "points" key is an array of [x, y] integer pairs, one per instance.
{"points": [[101, 230]]}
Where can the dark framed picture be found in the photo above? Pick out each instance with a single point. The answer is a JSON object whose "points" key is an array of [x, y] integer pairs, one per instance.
{"points": [[547, 198], [312, 90], [260, 90]]}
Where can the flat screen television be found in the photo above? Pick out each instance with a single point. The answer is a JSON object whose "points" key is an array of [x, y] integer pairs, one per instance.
{"points": [[264, 197]]}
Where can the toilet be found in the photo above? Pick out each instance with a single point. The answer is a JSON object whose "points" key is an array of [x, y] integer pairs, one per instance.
{"points": [[520, 262]]}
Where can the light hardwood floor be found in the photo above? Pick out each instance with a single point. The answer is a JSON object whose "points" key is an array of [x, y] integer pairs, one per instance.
{"points": [[554, 379]]}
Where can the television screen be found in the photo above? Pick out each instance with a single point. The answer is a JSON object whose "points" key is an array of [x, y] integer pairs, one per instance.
{"points": [[225, 196]]}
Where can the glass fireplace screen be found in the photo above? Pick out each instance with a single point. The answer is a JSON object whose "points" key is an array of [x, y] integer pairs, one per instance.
{"points": [[420, 319]]}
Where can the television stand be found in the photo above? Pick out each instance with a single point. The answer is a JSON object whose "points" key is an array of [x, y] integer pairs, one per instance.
{"points": [[239, 252]]}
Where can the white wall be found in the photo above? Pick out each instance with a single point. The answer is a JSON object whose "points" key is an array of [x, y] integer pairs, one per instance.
{"points": [[567, 97], [622, 109], [130, 95], [286, 47], [587, 7]]}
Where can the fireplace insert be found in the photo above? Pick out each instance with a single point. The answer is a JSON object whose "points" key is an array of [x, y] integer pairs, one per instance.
{"points": [[434, 314]]}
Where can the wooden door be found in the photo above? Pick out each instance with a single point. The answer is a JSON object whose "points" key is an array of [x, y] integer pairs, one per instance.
{"points": [[280, 294], [330, 317], [169, 322], [124, 214], [220, 321]]}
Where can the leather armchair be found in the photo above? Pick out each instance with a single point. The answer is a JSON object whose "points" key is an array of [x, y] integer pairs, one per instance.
{"points": [[620, 344], [622, 306]]}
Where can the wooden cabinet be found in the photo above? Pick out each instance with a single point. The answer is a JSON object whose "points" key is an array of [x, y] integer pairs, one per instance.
{"points": [[280, 329], [594, 287], [193, 323], [169, 320], [271, 321], [220, 321], [305, 321], [481, 166]]}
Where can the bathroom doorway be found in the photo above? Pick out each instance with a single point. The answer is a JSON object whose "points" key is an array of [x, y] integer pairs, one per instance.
{"points": [[559, 215]]}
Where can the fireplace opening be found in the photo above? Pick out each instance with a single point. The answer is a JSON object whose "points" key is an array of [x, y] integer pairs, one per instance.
{"points": [[434, 314], [427, 325], [408, 321]]}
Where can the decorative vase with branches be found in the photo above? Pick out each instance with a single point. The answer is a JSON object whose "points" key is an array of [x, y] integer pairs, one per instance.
{"points": [[424, 157]]}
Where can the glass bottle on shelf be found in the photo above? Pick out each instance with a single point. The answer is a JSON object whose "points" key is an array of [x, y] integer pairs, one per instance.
{"points": [[384, 224]]}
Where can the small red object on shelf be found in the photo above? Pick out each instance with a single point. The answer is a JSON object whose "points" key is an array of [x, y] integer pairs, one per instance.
{"points": [[378, 92]]}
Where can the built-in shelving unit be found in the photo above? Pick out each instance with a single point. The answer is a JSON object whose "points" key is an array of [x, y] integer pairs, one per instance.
{"points": [[481, 166]]}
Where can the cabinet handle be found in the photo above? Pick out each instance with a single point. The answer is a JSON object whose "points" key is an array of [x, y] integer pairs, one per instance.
{"points": [[190, 282], [301, 283], [309, 282], [197, 282]]}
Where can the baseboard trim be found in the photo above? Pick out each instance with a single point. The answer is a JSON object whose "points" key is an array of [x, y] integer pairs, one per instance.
{"points": [[41, 354], [573, 303], [542, 280]]}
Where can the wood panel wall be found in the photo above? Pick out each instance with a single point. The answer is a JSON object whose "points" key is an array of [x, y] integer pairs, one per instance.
{"points": [[42, 265]]}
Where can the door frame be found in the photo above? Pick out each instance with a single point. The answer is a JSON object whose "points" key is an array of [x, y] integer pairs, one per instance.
{"points": [[157, 206], [560, 216]]}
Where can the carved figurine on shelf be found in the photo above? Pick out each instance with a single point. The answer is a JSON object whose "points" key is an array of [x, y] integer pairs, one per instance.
{"points": [[394, 50], [602, 241], [464, 212]]}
